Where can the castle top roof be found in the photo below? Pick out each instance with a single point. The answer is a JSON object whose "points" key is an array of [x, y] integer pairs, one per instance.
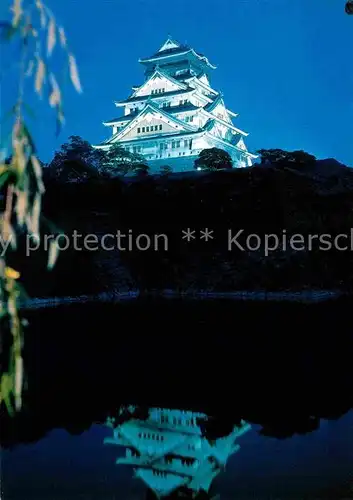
{"points": [[172, 48]]}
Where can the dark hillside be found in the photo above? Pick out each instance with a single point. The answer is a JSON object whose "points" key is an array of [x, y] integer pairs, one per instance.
{"points": [[260, 201]]}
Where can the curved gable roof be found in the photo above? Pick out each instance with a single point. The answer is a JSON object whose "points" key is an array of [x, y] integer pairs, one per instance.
{"points": [[172, 48], [155, 110]]}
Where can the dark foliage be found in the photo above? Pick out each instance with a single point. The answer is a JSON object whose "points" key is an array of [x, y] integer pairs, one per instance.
{"points": [[314, 199], [213, 159], [286, 158], [119, 161], [77, 161]]}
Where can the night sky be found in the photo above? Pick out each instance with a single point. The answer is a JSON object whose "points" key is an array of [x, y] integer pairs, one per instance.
{"points": [[283, 65]]}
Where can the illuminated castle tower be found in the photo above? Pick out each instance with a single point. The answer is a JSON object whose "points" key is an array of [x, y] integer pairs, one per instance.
{"points": [[169, 452], [176, 113]]}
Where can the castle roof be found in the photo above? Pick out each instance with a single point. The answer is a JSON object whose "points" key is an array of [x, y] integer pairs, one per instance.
{"points": [[151, 108], [172, 48], [157, 96], [171, 110], [212, 105]]}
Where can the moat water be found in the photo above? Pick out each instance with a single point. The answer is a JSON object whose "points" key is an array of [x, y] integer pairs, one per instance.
{"points": [[284, 368]]}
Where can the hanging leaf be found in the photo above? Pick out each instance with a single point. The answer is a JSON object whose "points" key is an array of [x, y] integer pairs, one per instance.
{"points": [[17, 11], [74, 73], [30, 68], [38, 173], [35, 216], [43, 17], [40, 77], [55, 96], [4, 175], [53, 253], [62, 36], [21, 207], [11, 273], [51, 41], [28, 136], [60, 120], [18, 382], [8, 235], [5, 392]]}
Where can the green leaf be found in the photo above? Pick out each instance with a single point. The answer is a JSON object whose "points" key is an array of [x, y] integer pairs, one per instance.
{"points": [[4, 177], [29, 137], [6, 391]]}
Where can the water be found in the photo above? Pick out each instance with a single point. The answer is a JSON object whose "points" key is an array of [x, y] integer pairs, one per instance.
{"points": [[285, 368]]}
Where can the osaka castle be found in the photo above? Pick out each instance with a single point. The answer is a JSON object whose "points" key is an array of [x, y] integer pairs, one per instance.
{"points": [[175, 113], [170, 453]]}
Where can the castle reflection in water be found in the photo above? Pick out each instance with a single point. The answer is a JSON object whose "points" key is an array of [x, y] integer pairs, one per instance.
{"points": [[175, 453]]}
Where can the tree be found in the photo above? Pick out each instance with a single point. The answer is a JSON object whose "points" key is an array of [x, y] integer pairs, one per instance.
{"points": [[30, 34], [76, 160], [213, 159], [285, 158], [118, 161], [166, 170]]}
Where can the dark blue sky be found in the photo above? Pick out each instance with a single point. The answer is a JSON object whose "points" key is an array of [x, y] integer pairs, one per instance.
{"points": [[284, 65]]}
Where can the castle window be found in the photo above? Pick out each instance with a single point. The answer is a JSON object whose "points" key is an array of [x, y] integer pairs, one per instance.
{"points": [[143, 129], [156, 127], [160, 127], [147, 129], [138, 130]]}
